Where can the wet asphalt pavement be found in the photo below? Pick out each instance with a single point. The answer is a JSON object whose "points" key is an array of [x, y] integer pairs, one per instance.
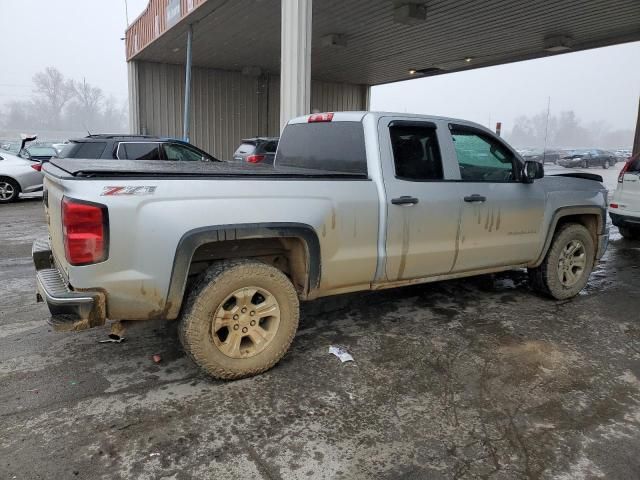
{"points": [[478, 378]]}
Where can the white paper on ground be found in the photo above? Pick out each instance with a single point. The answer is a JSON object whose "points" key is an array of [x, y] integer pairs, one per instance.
{"points": [[341, 353]]}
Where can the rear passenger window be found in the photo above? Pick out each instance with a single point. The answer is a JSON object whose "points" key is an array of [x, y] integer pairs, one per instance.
{"points": [[329, 146], [416, 154], [139, 151]]}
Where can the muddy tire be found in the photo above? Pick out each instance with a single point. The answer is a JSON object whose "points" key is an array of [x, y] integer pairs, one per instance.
{"points": [[9, 190], [629, 233], [240, 318], [566, 268]]}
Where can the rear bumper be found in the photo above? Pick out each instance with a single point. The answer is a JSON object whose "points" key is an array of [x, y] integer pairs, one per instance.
{"points": [[624, 220], [70, 309]]}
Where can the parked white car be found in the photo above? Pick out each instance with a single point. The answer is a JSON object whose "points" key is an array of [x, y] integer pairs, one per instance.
{"points": [[625, 204], [18, 175]]}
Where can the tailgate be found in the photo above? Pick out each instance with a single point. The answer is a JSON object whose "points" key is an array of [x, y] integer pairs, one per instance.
{"points": [[628, 193], [52, 199]]}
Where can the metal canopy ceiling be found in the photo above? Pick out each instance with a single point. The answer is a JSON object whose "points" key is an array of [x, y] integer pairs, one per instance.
{"points": [[232, 34]]}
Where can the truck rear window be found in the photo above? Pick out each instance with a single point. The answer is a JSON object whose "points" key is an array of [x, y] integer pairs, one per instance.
{"points": [[331, 146], [83, 150]]}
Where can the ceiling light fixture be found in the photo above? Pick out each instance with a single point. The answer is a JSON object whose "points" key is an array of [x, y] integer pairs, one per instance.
{"points": [[425, 72], [558, 43]]}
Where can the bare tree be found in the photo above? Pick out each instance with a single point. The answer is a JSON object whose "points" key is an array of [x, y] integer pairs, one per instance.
{"points": [[53, 91], [88, 98], [114, 116]]}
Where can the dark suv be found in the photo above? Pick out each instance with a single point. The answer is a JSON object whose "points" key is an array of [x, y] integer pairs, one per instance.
{"points": [[588, 158], [257, 150], [134, 147]]}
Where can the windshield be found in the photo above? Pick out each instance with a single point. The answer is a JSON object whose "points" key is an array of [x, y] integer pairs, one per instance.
{"points": [[42, 151]]}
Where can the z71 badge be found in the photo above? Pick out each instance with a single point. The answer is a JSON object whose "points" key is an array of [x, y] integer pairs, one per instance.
{"points": [[130, 190]]}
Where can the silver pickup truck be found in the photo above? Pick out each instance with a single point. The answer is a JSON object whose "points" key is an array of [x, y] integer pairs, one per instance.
{"points": [[355, 201]]}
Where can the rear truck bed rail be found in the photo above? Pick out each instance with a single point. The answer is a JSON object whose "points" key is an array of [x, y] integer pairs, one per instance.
{"points": [[70, 309]]}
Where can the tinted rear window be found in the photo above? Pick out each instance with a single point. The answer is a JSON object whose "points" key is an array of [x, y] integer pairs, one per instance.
{"points": [[83, 150], [332, 146], [269, 147]]}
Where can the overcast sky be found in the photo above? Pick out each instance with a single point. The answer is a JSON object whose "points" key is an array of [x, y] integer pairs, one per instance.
{"points": [[82, 38]]}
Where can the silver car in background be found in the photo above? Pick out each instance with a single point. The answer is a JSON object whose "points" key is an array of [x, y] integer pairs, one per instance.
{"points": [[18, 175]]}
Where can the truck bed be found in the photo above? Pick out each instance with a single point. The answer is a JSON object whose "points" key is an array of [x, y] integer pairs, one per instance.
{"points": [[76, 167]]}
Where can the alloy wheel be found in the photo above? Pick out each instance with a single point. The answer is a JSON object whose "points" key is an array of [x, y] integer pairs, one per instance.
{"points": [[7, 191], [246, 322], [572, 263]]}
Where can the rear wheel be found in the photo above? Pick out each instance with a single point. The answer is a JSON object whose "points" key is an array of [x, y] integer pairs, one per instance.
{"points": [[240, 319], [566, 268], [9, 190], [629, 233]]}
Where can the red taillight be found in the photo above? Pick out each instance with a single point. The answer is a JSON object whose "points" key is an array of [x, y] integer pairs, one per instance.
{"points": [[37, 167], [84, 229], [613, 205], [624, 170], [255, 158], [320, 117]]}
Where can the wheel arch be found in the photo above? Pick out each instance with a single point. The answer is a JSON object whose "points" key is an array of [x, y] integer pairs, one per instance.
{"points": [[242, 240], [9, 177], [590, 216]]}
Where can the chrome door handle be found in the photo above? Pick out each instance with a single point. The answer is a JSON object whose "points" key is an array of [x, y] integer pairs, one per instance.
{"points": [[475, 198], [404, 200]]}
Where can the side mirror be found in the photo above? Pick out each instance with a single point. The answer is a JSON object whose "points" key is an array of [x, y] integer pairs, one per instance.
{"points": [[532, 171]]}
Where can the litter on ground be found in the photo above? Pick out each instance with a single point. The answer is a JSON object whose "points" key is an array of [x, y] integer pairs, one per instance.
{"points": [[341, 353]]}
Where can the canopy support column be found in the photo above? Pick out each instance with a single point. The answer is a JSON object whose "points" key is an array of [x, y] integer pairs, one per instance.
{"points": [[187, 87], [295, 59]]}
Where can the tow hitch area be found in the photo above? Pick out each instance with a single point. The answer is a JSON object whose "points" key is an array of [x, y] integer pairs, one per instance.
{"points": [[71, 310]]}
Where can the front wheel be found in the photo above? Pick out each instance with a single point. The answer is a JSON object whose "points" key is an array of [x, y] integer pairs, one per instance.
{"points": [[566, 268], [240, 319]]}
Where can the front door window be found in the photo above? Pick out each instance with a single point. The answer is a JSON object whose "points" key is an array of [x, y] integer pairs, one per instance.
{"points": [[481, 158]]}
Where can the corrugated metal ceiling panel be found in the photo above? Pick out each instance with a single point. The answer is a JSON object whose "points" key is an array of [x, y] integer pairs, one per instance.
{"points": [[233, 34]]}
